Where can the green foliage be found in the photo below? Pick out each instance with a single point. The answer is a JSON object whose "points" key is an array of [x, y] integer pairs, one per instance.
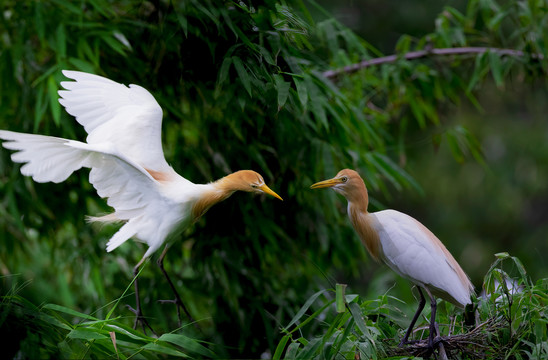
{"points": [[54, 331], [242, 85], [509, 320]]}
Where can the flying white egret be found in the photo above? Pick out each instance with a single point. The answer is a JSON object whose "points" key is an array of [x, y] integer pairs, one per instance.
{"points": [[406, 246], [124, 152]]}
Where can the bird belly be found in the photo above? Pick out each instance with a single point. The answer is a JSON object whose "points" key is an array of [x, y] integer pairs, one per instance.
{"points": [[163, 227]]}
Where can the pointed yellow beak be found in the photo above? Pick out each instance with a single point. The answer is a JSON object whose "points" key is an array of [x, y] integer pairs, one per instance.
{"points": [[326, 183], [269, 191]]}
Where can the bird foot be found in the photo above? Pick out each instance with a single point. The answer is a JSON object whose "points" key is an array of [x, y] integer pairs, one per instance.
{"points": [[433, 345], [140, 319], [179, 305]]}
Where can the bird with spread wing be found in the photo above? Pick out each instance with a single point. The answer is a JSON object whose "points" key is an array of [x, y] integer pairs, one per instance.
{"points": [[406, 246], [123, 149]]}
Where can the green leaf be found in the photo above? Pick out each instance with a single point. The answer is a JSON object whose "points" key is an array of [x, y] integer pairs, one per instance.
{"points": [[496, 68], [281, 347], [54, 321], [340, 298], [480, 69], [187, 343], [134, 334], [54, 105], [404, 44], [282, 87], [358, 318], [292, 350], [304, 308], [302, 91], [155, 347], [242, 74], [86, 334], [82, 65], [223, 72], [310, 349], [41, 105], [68, 311], [61, 42]]}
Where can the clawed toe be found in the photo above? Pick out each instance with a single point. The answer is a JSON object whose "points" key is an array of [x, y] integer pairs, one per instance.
{"points": [[140, 319]]}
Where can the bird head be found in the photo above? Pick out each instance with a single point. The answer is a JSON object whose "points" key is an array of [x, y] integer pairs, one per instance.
{"points": [[249, 181], [347, 183]]}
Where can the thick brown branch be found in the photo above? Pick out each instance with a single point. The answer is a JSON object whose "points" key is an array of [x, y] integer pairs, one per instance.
{"points": [[423, 53]]}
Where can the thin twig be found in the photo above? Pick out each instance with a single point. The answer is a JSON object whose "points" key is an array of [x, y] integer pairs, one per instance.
{"points": [[423, 53]]}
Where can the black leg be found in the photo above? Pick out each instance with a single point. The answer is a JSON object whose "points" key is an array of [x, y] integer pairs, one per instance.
{"points": [[433, 332], [178, 302], [422, 302], [139, 318]]}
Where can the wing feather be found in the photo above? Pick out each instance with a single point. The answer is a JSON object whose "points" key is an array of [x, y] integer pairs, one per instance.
{"points": [[133, 193], [129, 118], [415, 253]]}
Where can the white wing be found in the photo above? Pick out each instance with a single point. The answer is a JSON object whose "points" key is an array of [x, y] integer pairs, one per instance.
{"points": [[133, 193], [129, 118], [415, 253]]}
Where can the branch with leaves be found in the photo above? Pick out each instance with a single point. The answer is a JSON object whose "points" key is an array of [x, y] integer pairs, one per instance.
{"points": [[428, 52]]}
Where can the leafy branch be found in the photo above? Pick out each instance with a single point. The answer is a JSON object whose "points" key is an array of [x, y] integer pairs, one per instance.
{"points": [[428, 52]]}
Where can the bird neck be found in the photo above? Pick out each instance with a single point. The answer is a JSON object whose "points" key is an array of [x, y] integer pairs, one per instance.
{"points": [[364, 224], [362, 221], [216, 192]]}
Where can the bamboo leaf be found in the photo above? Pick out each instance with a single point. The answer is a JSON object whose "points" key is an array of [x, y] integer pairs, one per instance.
{"points": [[243, 75], [358, 318], [340, 297], [310, 349], [496, 68], [282, 87], [292, 350], [302, 91], [281, 347], [304, 308], [86, 334], [187, 343], [68, 311], [61, 42], [155, 347], [54, 105]]}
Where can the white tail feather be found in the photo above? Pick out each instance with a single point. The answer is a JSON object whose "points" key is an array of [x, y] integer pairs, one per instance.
{"points": [[104, 219], [123, 235]]}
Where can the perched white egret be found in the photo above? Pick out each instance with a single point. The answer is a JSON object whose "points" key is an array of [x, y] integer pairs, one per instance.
{"points": [[406, 246], [124, 152]]}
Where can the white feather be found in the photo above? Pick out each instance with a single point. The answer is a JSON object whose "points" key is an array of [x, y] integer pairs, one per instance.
{"points": [[410, 251], [128, 117], [123, 145]]}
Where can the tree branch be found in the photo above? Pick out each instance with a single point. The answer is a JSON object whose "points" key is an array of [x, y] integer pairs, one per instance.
{"points": [[423, 53]]}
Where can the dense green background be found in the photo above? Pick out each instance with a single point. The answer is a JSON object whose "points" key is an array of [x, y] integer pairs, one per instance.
{"points": [[241, 87]]}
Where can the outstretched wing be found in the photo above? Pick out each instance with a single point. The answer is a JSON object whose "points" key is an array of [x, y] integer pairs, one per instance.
{"points": [[133, 193], [127, 118]]}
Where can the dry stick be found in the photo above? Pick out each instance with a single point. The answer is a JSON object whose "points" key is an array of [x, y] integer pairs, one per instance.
{"points": [[423, 53]]}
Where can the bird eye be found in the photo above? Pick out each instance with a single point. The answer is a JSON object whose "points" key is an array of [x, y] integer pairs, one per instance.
{"points": [[344, 179], [254, 186]]}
